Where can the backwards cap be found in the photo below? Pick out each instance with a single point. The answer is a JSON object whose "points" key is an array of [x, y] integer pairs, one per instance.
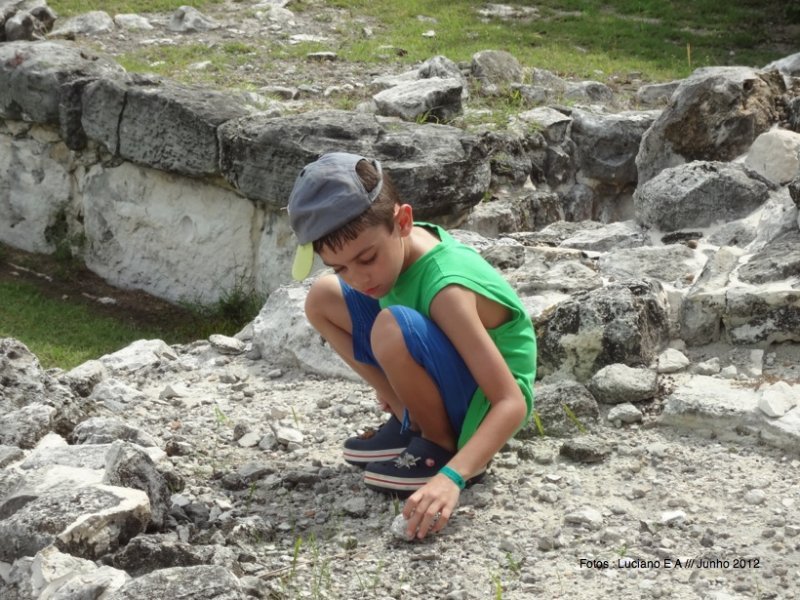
{"points": [[327, 194]]}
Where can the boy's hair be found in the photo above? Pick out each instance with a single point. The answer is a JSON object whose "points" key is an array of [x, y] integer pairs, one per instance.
{"points": [[380, 212]]}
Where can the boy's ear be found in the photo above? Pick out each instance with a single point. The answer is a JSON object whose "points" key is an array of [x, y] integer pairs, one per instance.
{"points": [[404, 218]]}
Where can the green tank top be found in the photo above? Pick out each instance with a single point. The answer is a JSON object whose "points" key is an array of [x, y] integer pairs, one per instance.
{"points": [[453, 263]]}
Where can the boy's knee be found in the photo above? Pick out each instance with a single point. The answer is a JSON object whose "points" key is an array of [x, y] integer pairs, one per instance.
{"points": [[386, 335], [321, 294]]}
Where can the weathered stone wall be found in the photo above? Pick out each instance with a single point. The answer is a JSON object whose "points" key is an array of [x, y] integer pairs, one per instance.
{"points": [[179, 191]]}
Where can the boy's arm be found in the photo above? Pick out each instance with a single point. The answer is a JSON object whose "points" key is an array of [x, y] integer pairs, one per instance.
{"points": [[455, 311]]}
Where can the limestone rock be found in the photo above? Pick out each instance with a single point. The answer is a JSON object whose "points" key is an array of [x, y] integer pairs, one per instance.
{"points": [[671, 361], [137, 356], [776, 261], [494, 68], [90, 23], [226, 345], [105, 430], [130, 467], [698, 194], [619, 323], [674, 264], [202, 582], [714, 115], [24, 224], [87, 522], [282, 332], [606, 145], [432, 100], [562, 408], [440, 167], [164, 124], [132, 22], [778, 398], [619, 383], [151, 552], [613, 236], [775, 155], [199, 247], [624, 413], [83, 378], [31, 74], [188, 19]]}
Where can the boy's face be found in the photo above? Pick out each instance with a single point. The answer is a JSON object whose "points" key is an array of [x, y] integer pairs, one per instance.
{"points": [[373, 261]]}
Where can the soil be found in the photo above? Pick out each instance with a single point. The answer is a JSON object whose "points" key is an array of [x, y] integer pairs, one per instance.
{"points": [[68, 281]]}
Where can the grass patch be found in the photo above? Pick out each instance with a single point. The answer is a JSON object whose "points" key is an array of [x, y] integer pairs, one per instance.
{"points": [[65, 333], [68, 8], [609, 41], [579, 37]]}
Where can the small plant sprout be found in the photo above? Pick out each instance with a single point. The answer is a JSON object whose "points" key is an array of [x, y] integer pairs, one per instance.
{"points": [[574, 418]]}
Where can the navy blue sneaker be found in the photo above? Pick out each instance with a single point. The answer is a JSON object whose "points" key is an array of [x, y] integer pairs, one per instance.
{"points": [[412, 469], [375, 446]]}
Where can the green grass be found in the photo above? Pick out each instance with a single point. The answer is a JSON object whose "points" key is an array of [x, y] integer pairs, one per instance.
{"points": [[65, 334], [659, 39], [579, 37], [68, 8]]}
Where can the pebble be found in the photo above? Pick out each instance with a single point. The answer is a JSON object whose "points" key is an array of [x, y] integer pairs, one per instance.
{"points": [[399, 528], [287, 435], [226, 345], [755, 496], [250, 439], [673, 517], [587, 516], [585, 451], [624, 413]]}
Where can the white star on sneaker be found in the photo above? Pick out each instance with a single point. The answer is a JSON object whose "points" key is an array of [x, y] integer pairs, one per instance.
{"points": [[406, 461]]}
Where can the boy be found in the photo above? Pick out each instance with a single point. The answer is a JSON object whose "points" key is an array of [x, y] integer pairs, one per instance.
{"points": [[426, 321]]}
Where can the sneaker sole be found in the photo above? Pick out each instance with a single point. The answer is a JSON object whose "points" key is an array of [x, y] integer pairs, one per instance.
{"points": [[407, 485], [363, 457], [394, 484]]}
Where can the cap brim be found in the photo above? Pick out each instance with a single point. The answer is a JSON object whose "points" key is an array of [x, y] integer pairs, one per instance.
{"points": [[303, 259]]}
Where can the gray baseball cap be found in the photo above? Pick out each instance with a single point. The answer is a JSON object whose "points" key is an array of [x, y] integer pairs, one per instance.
{"points": [[327, 194]]}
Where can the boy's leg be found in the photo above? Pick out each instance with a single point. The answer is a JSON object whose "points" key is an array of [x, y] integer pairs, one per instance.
{"points": [[328, 313], [431, 379], [425, 371]]}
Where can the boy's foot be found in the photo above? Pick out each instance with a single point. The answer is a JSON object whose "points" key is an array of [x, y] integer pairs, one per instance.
{"points": [[384, 444], [410, 470]]}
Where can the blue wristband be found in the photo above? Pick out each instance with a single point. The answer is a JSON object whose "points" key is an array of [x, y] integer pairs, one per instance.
{"points": [[453, 476]]}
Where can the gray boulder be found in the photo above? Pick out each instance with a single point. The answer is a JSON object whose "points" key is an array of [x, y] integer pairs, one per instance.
{"points": [[87, 522], [282, 332], [494, 69], [588, 91], [442, 169], [148, 553], [32, 73], [24, 427], [762, 316], [698, 194], [621, 234], [563, 408], [128, 466], [529, 212], [188, 19], [204, 582], [620, 323], [164, 124], [676, 264], [788, 65], [56, 575], [776, 261], [90, 23], [106, 430], [714, 115], [704, 304], [431, 100], [32, 402], [656, 94], [606, 145], [615, 384]]}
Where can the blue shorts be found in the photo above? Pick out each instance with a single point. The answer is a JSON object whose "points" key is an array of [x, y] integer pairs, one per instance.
{"points": [[427, 344]]}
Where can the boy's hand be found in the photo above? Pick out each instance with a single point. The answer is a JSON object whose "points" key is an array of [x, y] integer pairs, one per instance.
{"points": [[429, 508]]}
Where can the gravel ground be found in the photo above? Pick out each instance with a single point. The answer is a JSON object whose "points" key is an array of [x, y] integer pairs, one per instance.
{"points": [[703, 519]]}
